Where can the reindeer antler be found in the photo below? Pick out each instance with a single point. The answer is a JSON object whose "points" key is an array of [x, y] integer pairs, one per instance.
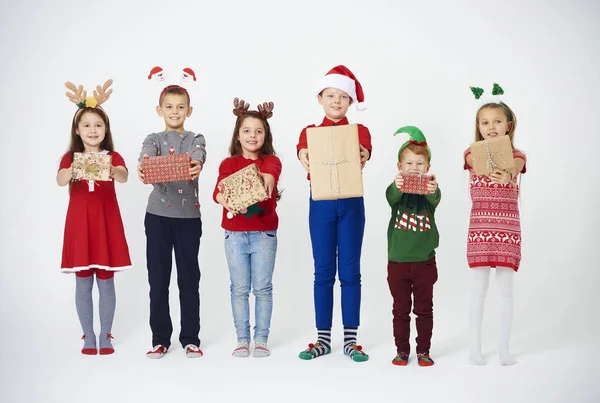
{"points": [[78, 96], [266, 109], [101, 94], [240, 107]]}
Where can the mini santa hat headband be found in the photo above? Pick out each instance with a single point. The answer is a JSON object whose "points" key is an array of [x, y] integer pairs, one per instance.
{"points": [[343, 79], [493, 99], [157, 73], [78, 95], [240, 107]]}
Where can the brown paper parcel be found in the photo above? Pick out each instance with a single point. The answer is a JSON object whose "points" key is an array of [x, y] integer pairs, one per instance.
{"points": [[335, 169], [491, 154], [243, 188], [91, 166]]}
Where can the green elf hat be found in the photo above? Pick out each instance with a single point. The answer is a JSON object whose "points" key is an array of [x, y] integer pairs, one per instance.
{"points": [[416, 138]]}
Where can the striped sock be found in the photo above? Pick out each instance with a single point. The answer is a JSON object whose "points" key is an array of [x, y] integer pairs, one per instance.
{"points": [[349, 339], [322, 347], [324, 338]]}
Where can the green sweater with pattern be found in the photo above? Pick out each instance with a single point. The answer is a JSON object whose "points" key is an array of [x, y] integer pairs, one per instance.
{"points": [[412, 234]]}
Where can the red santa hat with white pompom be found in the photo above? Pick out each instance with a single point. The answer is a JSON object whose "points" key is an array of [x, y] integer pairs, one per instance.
{"points": [[343, 79]]}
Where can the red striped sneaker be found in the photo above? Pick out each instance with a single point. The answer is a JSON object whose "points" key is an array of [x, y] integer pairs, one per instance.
{"points": [[157, 351], [193, 351]]}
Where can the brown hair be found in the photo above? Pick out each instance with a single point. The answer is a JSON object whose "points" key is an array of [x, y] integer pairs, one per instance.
{"points": [[510, 116], [173, 90], [76, 144], [235, 148], [415, 149]]}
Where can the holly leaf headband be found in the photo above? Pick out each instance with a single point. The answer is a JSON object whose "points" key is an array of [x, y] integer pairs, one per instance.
{"points": [[240, 107], [478, 92], [78, 95], [497, 90]]}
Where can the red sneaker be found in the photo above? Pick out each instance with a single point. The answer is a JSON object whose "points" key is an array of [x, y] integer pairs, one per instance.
{"points": [[401, 359], [425, 360], [157, 352]]}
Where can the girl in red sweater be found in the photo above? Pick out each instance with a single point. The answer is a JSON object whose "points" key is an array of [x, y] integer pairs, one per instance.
{"points": [[251, 236]]}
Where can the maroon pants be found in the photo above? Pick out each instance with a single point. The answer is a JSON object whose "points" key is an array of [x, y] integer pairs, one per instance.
{"points": [[406, 280]]}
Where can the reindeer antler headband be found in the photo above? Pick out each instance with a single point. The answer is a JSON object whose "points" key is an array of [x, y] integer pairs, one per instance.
{"points": [[241, 107], [79, 95]]}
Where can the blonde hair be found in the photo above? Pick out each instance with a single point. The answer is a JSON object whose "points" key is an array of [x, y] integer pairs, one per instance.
{"points": [[510, 116]]}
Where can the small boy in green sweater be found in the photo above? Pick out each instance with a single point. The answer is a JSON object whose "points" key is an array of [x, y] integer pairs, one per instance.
{"points": [[412, 238]]}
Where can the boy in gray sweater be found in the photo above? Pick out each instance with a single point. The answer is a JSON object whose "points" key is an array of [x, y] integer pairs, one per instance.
{"points": [[173, 221]]}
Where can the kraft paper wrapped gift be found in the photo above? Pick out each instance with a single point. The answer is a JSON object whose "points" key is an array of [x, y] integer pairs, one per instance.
{"points": [[167, 168], [91, 166], [335, 169], [415, 183], [243, 188], [494, 153]]}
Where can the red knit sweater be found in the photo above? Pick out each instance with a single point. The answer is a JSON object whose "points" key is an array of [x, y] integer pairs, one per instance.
{"points": [[267, 219]]}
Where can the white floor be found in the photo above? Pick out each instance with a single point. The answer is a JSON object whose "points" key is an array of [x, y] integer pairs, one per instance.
{"points": [[551, 368]]}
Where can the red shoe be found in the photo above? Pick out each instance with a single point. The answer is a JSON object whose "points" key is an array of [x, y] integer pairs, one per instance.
{"points": [[107, 350], [401, 359], [88, 351], [158, 351], [425, 360], [193, 351]]}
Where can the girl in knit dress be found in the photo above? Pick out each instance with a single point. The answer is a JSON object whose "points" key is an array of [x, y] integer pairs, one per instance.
{"points": [[494, 239], [94, 239]]}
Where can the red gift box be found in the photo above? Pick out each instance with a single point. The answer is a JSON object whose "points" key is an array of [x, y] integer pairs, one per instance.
{"points": [[415, 183], [167, 168]]}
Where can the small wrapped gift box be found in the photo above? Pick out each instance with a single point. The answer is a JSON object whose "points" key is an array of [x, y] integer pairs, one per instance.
{"points": [[493, 153], [91, 166], [415, 183], [167, 168], [243, 188], [335, 169]]}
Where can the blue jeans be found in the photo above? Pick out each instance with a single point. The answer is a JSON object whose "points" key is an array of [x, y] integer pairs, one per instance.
{"points": [[336, 233], [251, 260]]}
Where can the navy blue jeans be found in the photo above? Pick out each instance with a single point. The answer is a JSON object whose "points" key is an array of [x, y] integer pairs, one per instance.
{"points": [[163, 235]]}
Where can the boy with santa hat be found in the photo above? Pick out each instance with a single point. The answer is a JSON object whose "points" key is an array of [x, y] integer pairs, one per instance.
{"points": [[337, 226]]}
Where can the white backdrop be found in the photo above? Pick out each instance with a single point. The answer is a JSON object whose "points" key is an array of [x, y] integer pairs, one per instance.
{"points": [[416, 61]]}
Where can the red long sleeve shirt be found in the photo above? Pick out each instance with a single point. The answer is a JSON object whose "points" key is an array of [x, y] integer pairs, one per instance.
{"points": [[364, 136], [267, 219]]}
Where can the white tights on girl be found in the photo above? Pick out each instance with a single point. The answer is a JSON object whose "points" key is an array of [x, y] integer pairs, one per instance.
{"points": [[480, 277]]}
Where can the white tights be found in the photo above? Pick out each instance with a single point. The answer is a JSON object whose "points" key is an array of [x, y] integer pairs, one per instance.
{"points": [[480, 278]]}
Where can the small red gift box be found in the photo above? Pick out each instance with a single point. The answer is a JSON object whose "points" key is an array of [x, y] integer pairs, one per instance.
{"points": [[415, 183], [167, 168]]}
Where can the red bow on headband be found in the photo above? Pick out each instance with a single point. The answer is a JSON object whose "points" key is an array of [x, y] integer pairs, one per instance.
{"points": [[418, 143]]}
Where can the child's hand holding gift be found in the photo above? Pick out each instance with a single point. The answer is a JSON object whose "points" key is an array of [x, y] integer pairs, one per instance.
{"points": [[432, 185]]}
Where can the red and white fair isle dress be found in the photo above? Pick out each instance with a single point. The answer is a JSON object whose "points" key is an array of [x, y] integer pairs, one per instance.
{"points": [[94, 236], [495, 227]]}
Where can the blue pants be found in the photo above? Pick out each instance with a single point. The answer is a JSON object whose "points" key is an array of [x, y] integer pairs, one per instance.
{"points": [[163, 235], [251, 260], [336, 233]]}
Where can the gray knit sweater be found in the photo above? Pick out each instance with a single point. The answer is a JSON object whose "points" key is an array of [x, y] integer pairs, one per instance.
{"points": [[175, 199]]}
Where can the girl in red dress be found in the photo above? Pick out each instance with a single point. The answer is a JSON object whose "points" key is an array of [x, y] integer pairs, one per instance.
{"points": [[494, 238], [94, 238]]}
